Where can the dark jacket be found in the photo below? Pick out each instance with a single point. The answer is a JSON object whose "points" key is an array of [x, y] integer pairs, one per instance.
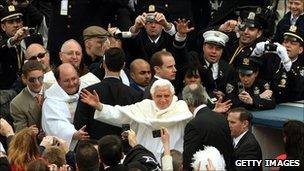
{"points": [[111, 91], [247, 148], [258, 87], [207, 128]]}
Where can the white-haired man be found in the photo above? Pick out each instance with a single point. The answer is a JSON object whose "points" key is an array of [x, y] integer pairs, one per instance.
{"points": [[164, 110]]}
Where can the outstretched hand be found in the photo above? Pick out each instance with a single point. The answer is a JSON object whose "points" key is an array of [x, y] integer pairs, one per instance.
{"points": [[182, 26], [222, 107], [90, 99]]}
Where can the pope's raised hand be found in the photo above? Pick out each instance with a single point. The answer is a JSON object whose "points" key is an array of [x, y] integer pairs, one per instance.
{"points": [[89, 98]]}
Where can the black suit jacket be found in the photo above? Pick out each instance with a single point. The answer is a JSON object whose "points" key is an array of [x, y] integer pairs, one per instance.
{"points": [[207, 128], [247, 148], [111, 91]]}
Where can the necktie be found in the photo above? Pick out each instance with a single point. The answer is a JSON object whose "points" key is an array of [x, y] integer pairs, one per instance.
{"points": [[39, 99]]}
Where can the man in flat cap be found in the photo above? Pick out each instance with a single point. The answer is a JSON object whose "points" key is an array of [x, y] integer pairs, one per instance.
{"points": [[243, 35], [217, 72], [249, 91], [96, 43], [285, 67]]}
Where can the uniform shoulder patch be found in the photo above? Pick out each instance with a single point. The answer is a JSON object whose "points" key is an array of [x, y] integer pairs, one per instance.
{"points": [[229, 88]]}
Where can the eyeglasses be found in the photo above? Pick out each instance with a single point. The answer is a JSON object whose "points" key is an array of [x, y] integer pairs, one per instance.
{"points": [[71, 53], [38, 56], [34, 79]]}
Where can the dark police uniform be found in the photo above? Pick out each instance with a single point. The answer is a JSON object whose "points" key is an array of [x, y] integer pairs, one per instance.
{"points": [[284, 25], [225, 73], [258, 87], [233, 51], [287, 85], [11, 58], [142, 47]]}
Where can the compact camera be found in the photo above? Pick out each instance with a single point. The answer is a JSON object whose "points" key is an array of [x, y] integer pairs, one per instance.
{"points": [[150, 18], [270, 47], [156, 133]]}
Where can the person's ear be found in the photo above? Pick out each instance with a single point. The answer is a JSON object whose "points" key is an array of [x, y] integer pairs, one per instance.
{"points": [[23, 78], [156, 69], [300, 50], [259, 34]]}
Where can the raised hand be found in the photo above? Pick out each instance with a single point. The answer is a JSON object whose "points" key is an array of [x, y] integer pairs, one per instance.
{"points": [[222, 107], [89, 98], [182, 26]]}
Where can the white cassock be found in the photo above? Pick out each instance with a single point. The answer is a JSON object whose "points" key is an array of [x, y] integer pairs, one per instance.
{"points": [[144, 117], [58, 114]]}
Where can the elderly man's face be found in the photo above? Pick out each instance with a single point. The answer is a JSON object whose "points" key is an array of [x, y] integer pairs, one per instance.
{"points": [[71, 54], [162, 97], [38, 52]]}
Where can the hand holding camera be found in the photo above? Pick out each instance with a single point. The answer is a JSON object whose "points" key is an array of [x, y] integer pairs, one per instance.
{"points": [[129, 134], [259, 49]]}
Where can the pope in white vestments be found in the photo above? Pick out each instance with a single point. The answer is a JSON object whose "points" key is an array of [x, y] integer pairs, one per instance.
{"points": [[148, 115]]}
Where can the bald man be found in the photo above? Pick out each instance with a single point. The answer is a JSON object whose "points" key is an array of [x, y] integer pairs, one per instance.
{"points": [[140, 73], [60, 104], [37, 52], [71, 52]]}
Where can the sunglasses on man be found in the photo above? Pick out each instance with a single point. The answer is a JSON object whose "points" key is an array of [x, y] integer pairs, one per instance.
{"points": [[34, 79], [38, 56]]}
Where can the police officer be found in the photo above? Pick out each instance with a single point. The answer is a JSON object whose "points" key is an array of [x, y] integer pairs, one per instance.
{"points": [[249, 31], [216, 72], [12, 55], [152, 32], [248, 91], [285, 68]]}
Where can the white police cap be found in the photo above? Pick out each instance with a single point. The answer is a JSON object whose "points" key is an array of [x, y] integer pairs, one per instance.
{"points": [[215, 37]]}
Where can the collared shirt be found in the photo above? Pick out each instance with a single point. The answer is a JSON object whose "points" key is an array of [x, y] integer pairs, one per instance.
{"points": [[293, 19], [198, 108], [35, 94], [214, 69], [237, 139]]}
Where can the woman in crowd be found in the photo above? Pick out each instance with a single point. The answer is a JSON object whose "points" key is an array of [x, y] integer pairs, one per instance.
{"points": [[22, 150]]}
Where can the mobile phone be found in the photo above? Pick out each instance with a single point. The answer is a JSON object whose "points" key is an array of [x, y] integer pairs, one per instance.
{"points": [[125, 127], [241, 87], [156, 133]]}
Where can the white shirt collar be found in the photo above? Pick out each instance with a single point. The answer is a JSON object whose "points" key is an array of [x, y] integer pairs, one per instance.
{"points": [[33, 93], [198, 108], [214, 69], [237, 139], [154, 41]]}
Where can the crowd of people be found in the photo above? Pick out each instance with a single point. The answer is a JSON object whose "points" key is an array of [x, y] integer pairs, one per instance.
{"points": [[145, 85]]}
